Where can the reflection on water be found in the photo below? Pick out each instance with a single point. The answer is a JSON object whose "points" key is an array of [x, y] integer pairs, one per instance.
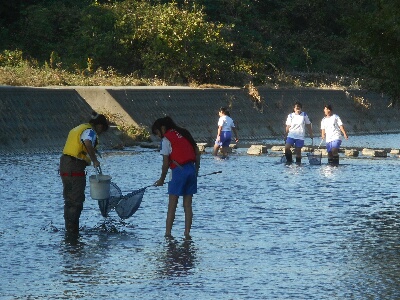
{"points": [[261, 230], [179, 257]]}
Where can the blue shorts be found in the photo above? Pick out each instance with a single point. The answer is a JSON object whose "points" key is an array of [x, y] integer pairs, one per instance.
{"points": [[224, 139], [183, 181], [334, 144], [296, 142]]}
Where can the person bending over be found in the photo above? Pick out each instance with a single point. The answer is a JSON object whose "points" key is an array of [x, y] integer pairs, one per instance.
{"points": [[180, 154]]}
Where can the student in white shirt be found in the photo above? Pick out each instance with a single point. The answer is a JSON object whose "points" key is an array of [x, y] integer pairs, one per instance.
{"points": [[331, 130], [296, 123], [224, 134]]}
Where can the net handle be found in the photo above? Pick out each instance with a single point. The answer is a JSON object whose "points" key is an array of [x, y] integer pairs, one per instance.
{"points": [[98, 170], [312, 145], [216, 172], [320, 144]]}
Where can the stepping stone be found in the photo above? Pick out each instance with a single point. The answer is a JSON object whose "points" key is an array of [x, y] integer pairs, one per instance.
{"points": [[257, 150]]}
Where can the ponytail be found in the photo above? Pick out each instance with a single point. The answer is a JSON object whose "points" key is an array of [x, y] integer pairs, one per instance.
{"points": [[168, 123]]}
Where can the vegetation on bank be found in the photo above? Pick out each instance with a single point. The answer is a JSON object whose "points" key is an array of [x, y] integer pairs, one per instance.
{"points": [[15, 70], [129, 132], [201, 43]]}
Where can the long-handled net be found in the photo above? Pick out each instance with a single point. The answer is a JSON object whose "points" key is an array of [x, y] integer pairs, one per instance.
{"points": [[126, 205], [130, 203], [106, 205], [315, 157]]}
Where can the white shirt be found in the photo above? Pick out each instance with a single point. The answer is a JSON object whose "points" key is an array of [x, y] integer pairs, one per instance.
{"points": [[332, 128], [297, 125], [89, 134], [166, 147], [226, 122]]}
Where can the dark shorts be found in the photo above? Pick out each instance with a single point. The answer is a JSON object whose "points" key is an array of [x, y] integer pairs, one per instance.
{"points": [[183, 181], [224, 139], [297, 143], [334, 144]]}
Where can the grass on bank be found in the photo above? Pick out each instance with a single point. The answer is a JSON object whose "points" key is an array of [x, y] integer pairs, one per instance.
{"points": [[17, 71]]}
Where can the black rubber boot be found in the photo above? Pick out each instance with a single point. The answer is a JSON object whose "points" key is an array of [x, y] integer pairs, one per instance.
{"points": [[298, 160], [71, 217], [289, 158], [330, 161], [335, 160]]}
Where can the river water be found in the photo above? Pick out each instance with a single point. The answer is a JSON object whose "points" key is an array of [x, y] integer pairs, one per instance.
{"points": [[261, 230]]}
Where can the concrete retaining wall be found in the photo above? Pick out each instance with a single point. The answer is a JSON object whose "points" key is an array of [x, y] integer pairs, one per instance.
{"points": [[37, 120]]}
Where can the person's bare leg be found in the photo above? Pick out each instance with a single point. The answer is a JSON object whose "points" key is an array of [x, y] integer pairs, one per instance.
{"points": [[187, 206], [224, 151], [215, 150], [173, 202]]}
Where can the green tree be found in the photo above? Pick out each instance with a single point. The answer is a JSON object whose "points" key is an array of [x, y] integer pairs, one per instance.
{"points": [[205, 41], [375, 31], [46, 27], [172, 43], [95, 38]]}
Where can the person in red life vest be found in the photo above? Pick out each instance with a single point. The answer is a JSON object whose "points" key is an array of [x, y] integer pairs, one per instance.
{"points": [[79, 151], [181, 155]]}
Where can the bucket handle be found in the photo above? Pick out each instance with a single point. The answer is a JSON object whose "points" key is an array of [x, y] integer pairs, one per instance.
{"points": [[97, 169], [98, 172]]}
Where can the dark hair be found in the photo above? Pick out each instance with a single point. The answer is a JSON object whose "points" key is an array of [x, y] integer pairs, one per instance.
{"points": [[225, 111], [170, 124], [328, 106], [298, 103], [99, 119]]}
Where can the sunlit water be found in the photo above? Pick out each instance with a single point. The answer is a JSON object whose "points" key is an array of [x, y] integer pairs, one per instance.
{"points": [[390, 140], [261, 230]]}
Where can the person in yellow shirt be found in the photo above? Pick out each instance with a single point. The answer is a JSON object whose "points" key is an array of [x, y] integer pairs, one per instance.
{"points": [[79, 151]]}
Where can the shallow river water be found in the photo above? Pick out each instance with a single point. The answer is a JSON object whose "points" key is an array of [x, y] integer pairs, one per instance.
{"points": [[261, 230]]}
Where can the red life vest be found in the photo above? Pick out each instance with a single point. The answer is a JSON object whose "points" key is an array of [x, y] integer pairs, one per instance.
{"points": [[182, 150]]}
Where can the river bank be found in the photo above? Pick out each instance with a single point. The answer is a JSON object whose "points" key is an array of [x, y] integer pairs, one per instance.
{"points": [[37, 120]]}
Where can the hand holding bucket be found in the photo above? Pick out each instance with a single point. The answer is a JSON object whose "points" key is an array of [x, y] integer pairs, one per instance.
{"points": [[99, 185]]}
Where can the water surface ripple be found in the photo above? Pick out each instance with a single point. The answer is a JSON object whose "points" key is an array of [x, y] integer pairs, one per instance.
{"points": [[261, 230]]}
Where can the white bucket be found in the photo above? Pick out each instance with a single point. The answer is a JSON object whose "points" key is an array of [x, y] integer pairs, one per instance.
{"points": [[100, 187]]}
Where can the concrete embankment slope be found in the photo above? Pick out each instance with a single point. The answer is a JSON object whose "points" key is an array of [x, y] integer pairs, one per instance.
{"points": [[37, 120]]}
